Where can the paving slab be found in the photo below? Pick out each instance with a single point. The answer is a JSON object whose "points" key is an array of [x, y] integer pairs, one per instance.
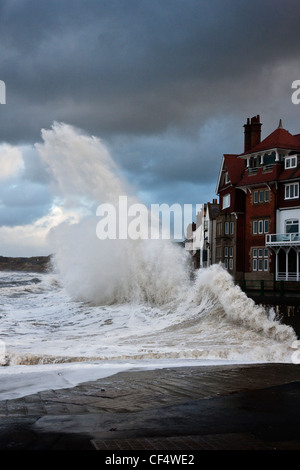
{"points": [[230, 407]]}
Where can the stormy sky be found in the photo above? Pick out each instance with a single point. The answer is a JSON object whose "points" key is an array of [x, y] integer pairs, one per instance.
{"points": [[166, 84]]}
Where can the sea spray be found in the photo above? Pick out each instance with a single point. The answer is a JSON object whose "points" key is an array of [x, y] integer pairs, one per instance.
{"points": [[148, 274], [103, 271], [238, 307]]}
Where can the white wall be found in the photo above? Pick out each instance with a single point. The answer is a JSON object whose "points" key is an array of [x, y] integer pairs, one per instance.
{"points": [[286, 214]]}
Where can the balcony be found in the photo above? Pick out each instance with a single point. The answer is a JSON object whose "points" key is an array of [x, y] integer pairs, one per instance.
{"points": [[283, 239], [288, 276], [268, 168], [252, 171], [286, 247]]}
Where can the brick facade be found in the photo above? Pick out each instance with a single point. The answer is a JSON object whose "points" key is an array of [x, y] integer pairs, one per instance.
{"points": [[259, 195]]}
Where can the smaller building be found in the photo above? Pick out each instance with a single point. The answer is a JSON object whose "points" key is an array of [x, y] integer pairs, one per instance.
{"points": [[200, 236]]}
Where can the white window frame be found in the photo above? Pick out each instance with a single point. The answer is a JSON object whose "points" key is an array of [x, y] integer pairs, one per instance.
{"points": [[255, 227], [291, 188], [291, 222], [266, 226], [226, 201], [260, 259], [267, 195], [290, 162]]}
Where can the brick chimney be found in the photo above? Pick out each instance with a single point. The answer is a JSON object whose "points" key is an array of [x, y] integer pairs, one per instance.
{"points": [[252, 133]]}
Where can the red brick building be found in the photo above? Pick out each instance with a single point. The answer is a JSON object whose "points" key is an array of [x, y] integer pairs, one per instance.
{"points": [[259, 199], [229, 243]]}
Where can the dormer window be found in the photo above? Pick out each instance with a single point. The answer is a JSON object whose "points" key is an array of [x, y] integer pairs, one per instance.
{"points": [[290, 162]]}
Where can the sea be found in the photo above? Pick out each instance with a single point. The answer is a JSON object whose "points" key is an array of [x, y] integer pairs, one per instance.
{"points": [[112, 305]]}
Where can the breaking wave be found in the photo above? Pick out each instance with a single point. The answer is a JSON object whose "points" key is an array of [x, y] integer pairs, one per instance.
{"points": [[126, 299]]}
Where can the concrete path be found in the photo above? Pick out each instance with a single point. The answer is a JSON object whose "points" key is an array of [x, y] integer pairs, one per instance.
{"points": [[253, 407]]}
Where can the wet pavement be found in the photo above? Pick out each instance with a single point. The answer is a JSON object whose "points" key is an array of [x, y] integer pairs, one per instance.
{"points": [[247, 407]]}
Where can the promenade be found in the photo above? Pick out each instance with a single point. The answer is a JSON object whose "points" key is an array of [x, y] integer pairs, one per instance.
{"points": [[232, 407]]}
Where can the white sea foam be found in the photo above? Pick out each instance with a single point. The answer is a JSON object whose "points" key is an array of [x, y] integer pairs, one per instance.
{"points": [[123, 300]]}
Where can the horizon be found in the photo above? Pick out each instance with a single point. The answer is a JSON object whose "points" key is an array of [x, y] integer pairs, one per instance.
{"points": [[165, 88]]}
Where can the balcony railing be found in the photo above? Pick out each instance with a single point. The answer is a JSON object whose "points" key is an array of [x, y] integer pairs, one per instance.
{"points": [[281, 276], [268, 167], [288, 239]]}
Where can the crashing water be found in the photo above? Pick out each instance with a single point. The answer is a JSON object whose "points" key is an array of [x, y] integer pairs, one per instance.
{"points": [[41, 324], [117, 301]]}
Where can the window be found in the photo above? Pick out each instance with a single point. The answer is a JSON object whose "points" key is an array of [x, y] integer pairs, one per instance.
{"points": [[260, 259], [226, 201], [290, 162], [227, 180], [260, 196], [231, 228], [228, 257], [226, 228], [254, 162], [267, 195], [260, 226], [266, 226], [292, 226], [292, 191]]}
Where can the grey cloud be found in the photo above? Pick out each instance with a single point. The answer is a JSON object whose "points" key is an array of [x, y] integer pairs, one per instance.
{"points": [[138, 66], [168, 83]]}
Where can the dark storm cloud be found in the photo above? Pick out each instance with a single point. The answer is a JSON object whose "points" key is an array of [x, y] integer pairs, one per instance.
{"points": [[167, 83], [136, 66]]}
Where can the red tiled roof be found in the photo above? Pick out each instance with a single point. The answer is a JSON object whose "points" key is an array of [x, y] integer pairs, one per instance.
{"points": [[260, 177], [234, 166], [290, 174], [280, 138]]}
